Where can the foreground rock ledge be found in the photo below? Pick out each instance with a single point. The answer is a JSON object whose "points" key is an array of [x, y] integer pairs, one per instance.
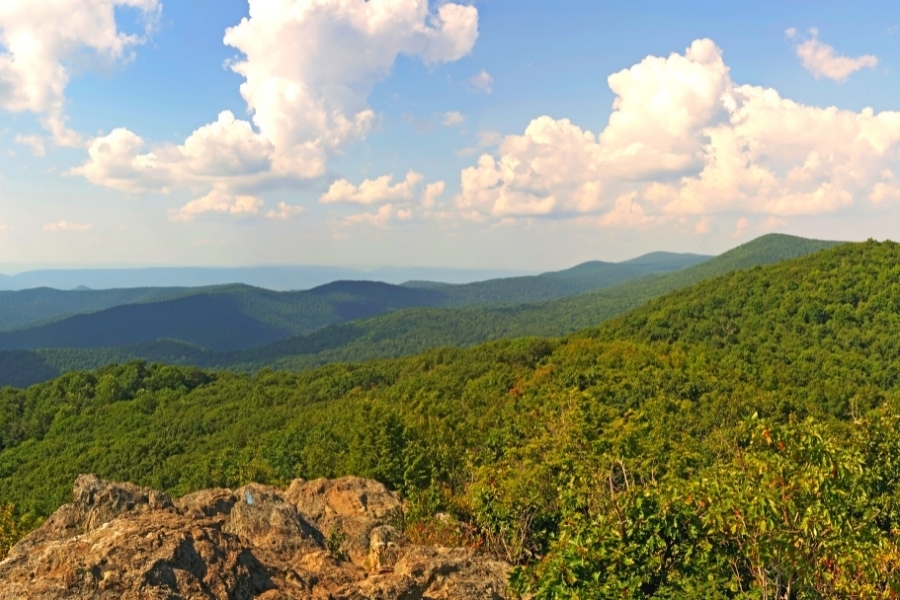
{"points": [[322, 539]]}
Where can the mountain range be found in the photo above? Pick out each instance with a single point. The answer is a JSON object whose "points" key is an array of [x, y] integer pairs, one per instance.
{"points": [[246, 328], [280, 278]]}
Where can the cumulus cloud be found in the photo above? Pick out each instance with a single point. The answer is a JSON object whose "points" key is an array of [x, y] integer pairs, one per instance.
{"points": [[226, 149], [481, 82], [372, 191], [396, 199], [453, 118], [308, 69], [221, 202], [285, 211], [64, 226], [39, 42], [822, 60], [385, 215], [433, 191], [683, 139]]}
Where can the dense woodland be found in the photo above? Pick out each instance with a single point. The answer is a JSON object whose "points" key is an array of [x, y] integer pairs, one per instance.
{"points": [[733, 439]]}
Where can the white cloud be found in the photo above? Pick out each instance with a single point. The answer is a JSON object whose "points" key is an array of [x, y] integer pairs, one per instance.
{"points": [[39, 41], [372, 191], [219, 201], [887, 190], [433, 191], [481, 82], [684, 140], [822, 60], [116, 159], [285, 211], [627, 214], [740, 228], [308, 69], [228, 148], [64, 226], [385, 215], [4, 228], [453, 118], [34, 142]]}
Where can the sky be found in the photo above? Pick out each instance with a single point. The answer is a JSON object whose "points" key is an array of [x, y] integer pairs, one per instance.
{"points": [[524, 135]]}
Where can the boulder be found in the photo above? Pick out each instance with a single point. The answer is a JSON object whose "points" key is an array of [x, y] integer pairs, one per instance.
{"points": [[318, 540]]}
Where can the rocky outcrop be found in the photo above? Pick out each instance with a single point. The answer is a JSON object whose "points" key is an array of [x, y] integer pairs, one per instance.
{"points": [[322, 540]]}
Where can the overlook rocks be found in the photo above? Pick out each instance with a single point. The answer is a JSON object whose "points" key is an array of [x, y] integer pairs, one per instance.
{"points": [[322, 540]]}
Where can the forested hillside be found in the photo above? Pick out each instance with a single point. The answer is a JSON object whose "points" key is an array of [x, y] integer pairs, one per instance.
{"points": [[240, 316], [415, 330], [560, 284], [403, 332], [32, 306], [736, 439], [220, 318]]}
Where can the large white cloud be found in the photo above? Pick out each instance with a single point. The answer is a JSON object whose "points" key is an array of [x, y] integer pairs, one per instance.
{"points": [[308, 68], [227, 149], [40, 39], [685, 140]]}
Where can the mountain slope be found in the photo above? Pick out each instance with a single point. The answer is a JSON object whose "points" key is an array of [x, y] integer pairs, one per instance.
{"points": [[407, 331], [829, 316], [685, 435], [238, 316], [410, 331], [224, 318], [32, 306], [558, 284]]}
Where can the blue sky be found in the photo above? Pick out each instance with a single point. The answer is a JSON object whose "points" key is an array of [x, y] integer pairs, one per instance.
{"points": [[524, 135]]}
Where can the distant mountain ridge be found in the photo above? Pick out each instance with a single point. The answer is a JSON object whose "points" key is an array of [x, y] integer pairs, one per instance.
{"points": [[408, 330], [219, 318], [279, 278], [558, 284], [415, 330], [235, 317]]}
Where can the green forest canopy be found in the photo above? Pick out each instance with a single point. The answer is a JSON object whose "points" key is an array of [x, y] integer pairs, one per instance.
{"points": [[736, 439]]}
